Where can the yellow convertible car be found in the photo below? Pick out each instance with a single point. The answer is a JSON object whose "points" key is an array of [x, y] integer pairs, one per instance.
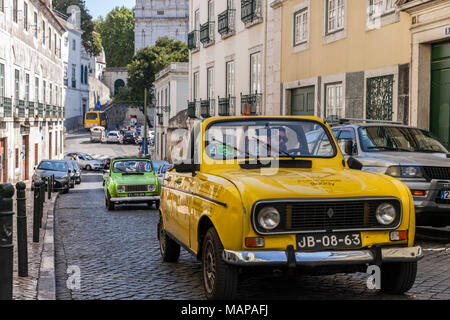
{"points": [[277, 192]]}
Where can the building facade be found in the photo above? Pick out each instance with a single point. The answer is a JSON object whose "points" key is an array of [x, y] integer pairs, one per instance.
{"points": [[172, 94], [154, 19], [430, 65], [232, 71], [31, 87], [76, 76], [345, 59]]}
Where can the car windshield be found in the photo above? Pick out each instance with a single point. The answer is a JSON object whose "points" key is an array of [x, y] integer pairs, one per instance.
{"points": [[268, 138], [88, 157], [91, 116], [53, 166], [132, 166], [399, 139]]}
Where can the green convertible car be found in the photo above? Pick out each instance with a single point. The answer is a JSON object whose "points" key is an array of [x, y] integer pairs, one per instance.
{"points": [[131, 180]]}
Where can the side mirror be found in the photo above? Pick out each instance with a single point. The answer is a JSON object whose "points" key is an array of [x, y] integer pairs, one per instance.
{"points": [[354, 164], [185, 168], [349, 147]]}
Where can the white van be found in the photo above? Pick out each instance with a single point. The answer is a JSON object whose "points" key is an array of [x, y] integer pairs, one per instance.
{"points": [[98, 134]]}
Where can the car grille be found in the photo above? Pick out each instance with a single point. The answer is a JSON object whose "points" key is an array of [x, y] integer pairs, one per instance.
{"points": [[305, 216], [437, 173], [140, 188]]}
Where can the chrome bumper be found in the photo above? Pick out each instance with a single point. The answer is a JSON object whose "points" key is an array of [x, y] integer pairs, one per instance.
{"points": [[136, 199], [322, 258]]}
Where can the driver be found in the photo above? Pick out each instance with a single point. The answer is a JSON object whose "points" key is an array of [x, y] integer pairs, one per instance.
{"points": [[282, 139], [141, 167]]}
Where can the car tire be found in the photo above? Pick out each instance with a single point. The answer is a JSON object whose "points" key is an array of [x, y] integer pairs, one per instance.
{"points": [[219, 279], [88, 168], [66, 189], [109, 204], [398, 278], [157, 204], [170, 250], [72, 185]]}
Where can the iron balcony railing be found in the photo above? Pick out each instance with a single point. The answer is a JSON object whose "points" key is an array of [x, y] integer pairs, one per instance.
{"points": [[41, 109], [251, 104], [32, 106], [193, 109], [251, 10], [48, 111], [5, 107], [21, 108], [226, 22], [194, 40], [227, 106], [207, 108], [207, 33]]}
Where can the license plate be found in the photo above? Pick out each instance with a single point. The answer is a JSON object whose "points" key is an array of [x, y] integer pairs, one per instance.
{"points": [[139, 194], [91, 125], [445, 195], [327, 241]]}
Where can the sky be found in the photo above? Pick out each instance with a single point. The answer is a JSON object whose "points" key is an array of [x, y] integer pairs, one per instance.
{"points": [[103, 7]]}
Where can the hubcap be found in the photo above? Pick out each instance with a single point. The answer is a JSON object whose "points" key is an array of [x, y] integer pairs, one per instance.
{"points": [[209, 267]]}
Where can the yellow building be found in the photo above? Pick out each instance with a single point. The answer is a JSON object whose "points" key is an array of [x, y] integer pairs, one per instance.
{"points": [[345, 58]]}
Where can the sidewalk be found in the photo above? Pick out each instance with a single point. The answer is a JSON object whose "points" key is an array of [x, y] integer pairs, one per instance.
{"points": [[40, 283]]}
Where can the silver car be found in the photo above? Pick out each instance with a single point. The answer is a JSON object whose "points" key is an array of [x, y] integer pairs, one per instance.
{"points": [[410, 154], [86, 161]]}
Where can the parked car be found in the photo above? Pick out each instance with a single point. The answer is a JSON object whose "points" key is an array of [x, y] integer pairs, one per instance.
{"points": [[131, 180], [129, 137], [98, 134], [161, 171], [261, 197], [72, 174], [86, 161], [59, 169], [114, 137], [410, 154]]}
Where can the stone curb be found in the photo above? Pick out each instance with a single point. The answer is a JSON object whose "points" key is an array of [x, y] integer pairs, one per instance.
{"points": [[47, 283]]}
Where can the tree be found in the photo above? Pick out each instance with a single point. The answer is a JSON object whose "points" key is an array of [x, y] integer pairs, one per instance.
{"points": [[90, 43], [117, 34], [149, 61]]}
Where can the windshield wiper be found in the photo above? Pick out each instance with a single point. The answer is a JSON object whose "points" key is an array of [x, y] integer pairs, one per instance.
{"points": [[389, 148], [279, 151]]}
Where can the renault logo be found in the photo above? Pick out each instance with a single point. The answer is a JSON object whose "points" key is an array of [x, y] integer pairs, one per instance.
{"points": [[330, 213]]}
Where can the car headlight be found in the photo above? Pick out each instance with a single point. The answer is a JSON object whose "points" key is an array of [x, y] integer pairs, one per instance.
{"points": [[120, 189], [151, 187], [386, 214], [269, 218], [405, 172]]}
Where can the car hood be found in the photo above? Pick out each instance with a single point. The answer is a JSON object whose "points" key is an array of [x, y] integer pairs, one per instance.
{"points": [[47, 173], [135, 179], [310, 183], [386, 159]]}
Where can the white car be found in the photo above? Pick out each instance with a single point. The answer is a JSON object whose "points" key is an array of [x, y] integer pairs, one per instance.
{"points": [[114, 137], [85, 161]]}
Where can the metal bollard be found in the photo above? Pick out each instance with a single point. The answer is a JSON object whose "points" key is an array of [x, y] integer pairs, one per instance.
{"points": [[49, 188], [41, 202], [22, 241], [6, 243], [36, 211], [53, 183]]}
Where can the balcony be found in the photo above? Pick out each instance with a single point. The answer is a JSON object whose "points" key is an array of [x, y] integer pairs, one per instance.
{"points": [[192, 109], [31, 106], [226, 23], [251, 104], [20, 108], [207, 33], [160, 119], [227, 106], [193, 40], [207, 108], [5, 107], [41, 109], [251, 11]]}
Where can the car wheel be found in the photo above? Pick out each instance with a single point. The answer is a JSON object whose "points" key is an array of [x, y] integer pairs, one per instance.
{"points": [[170, 250], [72, 185], [88, 168], [397, 278], [219, 279], [66, 189], [157, 204], [109, 204]]}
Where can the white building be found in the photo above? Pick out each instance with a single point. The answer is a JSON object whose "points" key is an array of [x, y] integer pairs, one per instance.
{"points": [[76, 75], [97, 66], [172, 94], [154, 19], [234, 60], [31, 85]]}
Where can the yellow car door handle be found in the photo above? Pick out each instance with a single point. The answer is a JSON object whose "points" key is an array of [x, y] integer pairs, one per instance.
{"points": [[178, 181]]}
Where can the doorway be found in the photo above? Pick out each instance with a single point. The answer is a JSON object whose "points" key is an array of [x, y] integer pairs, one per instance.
{"points": [[50, 146], [440, 91], [25, 158], [3, 161], [302, 101]]}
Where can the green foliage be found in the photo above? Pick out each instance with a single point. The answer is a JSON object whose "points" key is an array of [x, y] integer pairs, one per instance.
{"points": [[149, 61], [90, 43], [117, 34], [126, 96]]}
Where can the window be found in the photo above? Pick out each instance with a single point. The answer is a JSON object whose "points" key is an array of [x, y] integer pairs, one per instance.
{"points": [[196, 85], [2, 80], [36, 89], [196, 20], [230, 79], [25, 16], [43, 32], [335, 15], [15, 11], [56, 47], [345, 136], [85, 75], [57, 95], [74, 79], [16, 84], [379, 8], [160, 12], [74, 45], [210, 83], [210, 11], [17, 158], [255, 73], [35, 25], [27, 87], [44, 92], [2, 5], [82, 75], [301, 27], [334, 101], [49, 38], [51, 93]]}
